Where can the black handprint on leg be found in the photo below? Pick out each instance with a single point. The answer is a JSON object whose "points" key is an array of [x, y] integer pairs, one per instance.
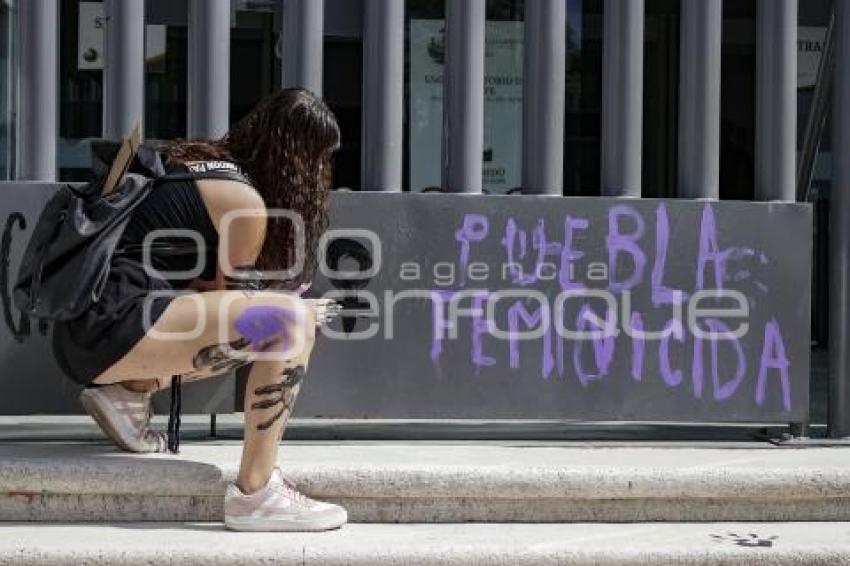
{"points": [[282, 394]]}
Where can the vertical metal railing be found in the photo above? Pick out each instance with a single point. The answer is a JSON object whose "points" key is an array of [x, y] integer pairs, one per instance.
{"points": [[544, 88], [622, 97], [818, 113], [776, 99], [303, 26], [383, 95], [463, 96], [9, 90], [38, 118], [699, 99], [124, 67], [839, 230], [209, 68]]}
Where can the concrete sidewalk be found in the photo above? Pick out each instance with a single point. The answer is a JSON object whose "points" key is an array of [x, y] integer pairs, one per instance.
{"points": [[439, 481], [804, 544]]}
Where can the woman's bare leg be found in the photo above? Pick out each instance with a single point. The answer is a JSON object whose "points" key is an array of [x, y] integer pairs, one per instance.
{"points": [[269, 399], [273, 382]]}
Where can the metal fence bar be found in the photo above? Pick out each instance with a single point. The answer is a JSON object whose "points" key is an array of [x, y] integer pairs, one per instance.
{"points": [[699, 99], [776, 100], [124, 67], [818, 113], [839, 231], [544, 88], [463, 96], [622, 97], [383, 95], [303, 26], [38, 100], [9, 91], [209, 68]]}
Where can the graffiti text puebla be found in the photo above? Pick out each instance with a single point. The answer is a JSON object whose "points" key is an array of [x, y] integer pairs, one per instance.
{"points": [[576, 304]]}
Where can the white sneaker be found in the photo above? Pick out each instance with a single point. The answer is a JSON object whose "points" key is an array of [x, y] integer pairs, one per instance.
{"points": [[279, 507], [124, 416]]}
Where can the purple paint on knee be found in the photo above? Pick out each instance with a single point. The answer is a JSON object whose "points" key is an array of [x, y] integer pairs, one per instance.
{"points": [[262, 324]]}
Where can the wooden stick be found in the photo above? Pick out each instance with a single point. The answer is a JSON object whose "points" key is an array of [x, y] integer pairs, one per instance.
{"points": [[122, 160]]}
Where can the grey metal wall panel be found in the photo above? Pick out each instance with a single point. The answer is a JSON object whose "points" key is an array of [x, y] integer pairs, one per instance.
{"points": [[839, 230], [413, 367], [38, 97], [699, 99], [544, 88], [776, 99], [622, 97], [383, 95], [124, 67], [303, 25], [650, 248], [463, 96], [209, 68]]}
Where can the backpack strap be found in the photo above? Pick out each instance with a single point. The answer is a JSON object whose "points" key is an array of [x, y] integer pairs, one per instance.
{"points": [[223, 170]]}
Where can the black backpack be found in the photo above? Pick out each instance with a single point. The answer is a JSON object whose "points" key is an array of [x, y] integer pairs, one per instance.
{"points": [[67, 259]]}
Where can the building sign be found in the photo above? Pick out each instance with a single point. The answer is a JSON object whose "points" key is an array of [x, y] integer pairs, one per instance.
{"points": [[501, 159], [90, 40]]}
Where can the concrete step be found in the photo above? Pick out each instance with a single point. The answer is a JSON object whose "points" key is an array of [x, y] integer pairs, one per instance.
{"points": [[390, 482], [654, 544]]}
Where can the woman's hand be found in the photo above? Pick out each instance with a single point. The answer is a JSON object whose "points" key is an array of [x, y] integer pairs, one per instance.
{"points": [[325, 310]]}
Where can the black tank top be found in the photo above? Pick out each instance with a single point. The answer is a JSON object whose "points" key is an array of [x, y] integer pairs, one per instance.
{"points": [[174, 205]]}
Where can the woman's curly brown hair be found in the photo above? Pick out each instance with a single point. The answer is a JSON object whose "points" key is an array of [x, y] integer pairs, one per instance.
{"points": [[284, 145]]}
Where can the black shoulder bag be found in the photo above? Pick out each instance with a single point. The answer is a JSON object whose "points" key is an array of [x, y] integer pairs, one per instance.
{"points": [[67, 259]]}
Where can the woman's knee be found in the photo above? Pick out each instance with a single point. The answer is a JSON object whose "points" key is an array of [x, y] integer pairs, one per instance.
{"points": [[275, 323]]}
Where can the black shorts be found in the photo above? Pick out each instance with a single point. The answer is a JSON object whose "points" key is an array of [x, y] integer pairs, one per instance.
{"points": [[90, 344]]}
